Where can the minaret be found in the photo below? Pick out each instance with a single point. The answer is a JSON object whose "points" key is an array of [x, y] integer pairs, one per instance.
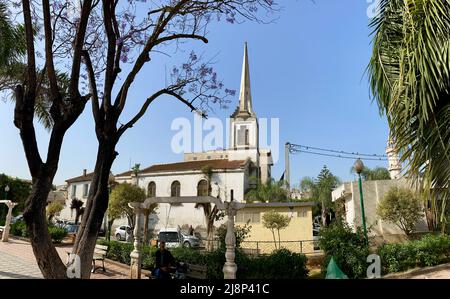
{"points": [[245, 108], [395, 167]]}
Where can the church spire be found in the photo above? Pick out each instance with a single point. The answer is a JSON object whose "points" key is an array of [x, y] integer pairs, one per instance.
{"points": [[245, 108]]}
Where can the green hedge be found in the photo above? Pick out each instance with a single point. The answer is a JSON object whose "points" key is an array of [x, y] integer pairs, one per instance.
{"points": [[347, 247], [57, 233], [278, 265], [431, 250], [20, 229]]}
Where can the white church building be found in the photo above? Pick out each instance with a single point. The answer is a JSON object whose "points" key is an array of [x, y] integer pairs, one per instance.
{"points": [[230, 169]]}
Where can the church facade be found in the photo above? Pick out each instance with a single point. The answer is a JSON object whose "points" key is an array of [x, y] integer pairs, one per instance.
{"points": [[226, 174]]}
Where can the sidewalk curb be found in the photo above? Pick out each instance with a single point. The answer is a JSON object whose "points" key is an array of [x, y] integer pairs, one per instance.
{"points": [[417, 271]]}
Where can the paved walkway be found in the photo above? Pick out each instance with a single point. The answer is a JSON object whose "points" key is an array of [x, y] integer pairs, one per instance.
{"points": [[17, 261]]}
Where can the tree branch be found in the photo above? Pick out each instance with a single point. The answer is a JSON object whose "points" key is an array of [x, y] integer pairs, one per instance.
{"points": [[144, 55], [149, 100], [78, 47], [92, 86], [180, 36], [54, 91]]}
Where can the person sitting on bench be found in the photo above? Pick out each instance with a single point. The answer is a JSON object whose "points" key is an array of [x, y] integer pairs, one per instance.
{"points": [[163, 261]]}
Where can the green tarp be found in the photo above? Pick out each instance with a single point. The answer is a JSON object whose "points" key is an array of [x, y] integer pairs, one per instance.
{"points": [[333, 271]]}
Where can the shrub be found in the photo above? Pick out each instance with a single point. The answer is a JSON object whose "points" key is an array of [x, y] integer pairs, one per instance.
{"points": [[57, 233], [348, 248], [19, 229], [402, 207], [241, 233], [270, 266], [431, 250], [281, 264]]}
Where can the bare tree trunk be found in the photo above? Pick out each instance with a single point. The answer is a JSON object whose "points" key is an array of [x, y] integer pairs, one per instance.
{"points": [[274, 239], [96, 206], [210, 236], [108, 233], [324, 215], [46, 255], [279, 239]]}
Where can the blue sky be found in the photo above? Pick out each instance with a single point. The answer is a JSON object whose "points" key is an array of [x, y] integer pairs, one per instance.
{"points": [[307, 69]]}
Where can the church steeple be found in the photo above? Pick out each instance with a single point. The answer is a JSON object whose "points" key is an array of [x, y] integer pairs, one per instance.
{"points": [[245, 108]]}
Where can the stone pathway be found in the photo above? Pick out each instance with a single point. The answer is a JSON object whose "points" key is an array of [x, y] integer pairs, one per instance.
{"points": [[17, 261]]}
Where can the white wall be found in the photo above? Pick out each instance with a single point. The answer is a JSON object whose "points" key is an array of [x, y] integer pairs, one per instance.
{"points": [[67, 213], [187, 214]]}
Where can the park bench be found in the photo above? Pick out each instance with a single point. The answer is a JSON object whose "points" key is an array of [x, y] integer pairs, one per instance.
{"points": [[196, 271], [99, 255]]}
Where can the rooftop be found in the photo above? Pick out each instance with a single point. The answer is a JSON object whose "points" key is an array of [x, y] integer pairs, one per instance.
{"points": [[190, 165]]}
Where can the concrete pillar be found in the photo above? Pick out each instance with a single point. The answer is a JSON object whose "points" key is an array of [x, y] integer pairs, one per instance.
{"points": [[287, 175], [230, 268], [136, 254], [5, 234]]}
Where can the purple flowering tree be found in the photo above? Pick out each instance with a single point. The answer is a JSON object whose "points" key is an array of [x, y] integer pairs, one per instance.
{"points": [[90, 42]]}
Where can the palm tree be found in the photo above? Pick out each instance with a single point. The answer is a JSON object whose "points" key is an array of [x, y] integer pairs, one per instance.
{"points": [[410, 79], [13, 68], [320, 190], [77, 205], [12, 37], [272, 191], [373, 174]]}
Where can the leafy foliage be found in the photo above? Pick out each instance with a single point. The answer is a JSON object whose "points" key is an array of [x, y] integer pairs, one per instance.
{"points": [[271, 266], [272, 191], [53, 209], [19, 190], [431, 250], [121, 196], [410, 79], [402, 207], [57, 233], [320, 189], [19, 229], [12, 46], [241, 233], [275, 221], [77, 205], [348, 248], [377, 173]]}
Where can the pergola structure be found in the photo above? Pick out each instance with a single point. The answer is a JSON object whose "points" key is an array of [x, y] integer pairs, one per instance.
{"points": [[230, 208], [10, 205]]}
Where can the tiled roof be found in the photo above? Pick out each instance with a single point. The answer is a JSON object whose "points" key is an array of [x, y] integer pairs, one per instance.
{"points": [[87, 177], [190, 165], [81, 178]]}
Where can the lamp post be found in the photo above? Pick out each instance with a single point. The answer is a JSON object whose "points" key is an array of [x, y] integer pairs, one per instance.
{"points": [[359, 166], [6, 192]]}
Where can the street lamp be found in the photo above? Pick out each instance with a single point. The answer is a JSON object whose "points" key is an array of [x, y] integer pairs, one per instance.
{"points": [[359, 166], [6, 192]]}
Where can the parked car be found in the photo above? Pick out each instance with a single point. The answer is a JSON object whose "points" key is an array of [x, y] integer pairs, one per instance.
{"points": [[102, 232], [176, 238], [16, 218], [123, 233], [72, 228]]}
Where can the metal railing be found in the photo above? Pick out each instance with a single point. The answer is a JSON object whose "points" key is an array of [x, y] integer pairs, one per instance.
{"points": [[267, 247]]}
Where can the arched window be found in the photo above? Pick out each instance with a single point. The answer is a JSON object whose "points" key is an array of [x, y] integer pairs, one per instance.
{"points": [[202, 188], [175, 189], [151, 189]]}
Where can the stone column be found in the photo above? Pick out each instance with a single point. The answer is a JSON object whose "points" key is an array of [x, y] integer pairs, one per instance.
{"points": [[5, 234], [136, 256], [230, 268]]}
